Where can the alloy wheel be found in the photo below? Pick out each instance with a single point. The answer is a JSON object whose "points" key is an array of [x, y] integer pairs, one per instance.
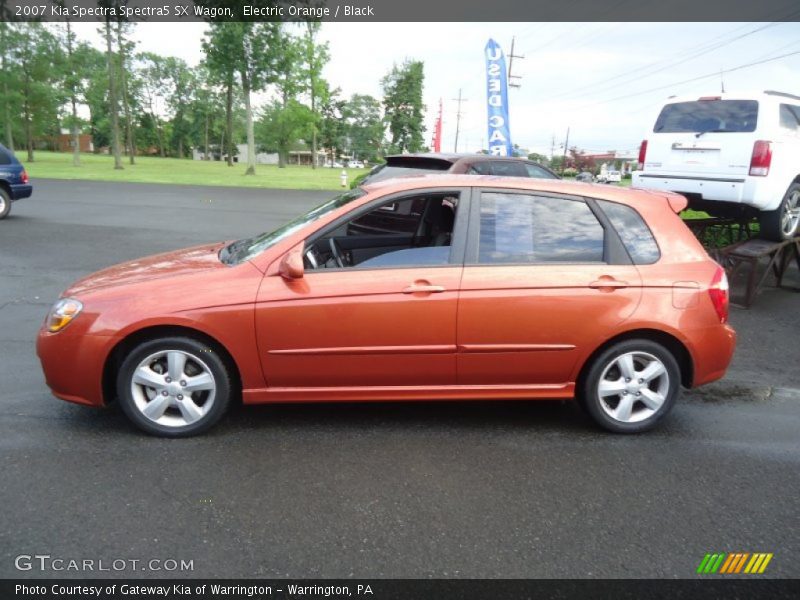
{"points": [[633, 387], [173, 388]]}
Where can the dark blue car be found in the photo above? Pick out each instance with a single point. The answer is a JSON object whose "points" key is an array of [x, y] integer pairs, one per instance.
{"points": [[14, 183]]}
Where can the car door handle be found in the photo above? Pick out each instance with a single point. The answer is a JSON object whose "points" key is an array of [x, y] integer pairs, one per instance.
{"points": [[608, 283], [423, 288]]}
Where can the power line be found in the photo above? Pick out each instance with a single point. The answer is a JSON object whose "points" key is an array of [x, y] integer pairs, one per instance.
{"points": [[632, 74], [511, 57], [458, 116], [714, 74]]}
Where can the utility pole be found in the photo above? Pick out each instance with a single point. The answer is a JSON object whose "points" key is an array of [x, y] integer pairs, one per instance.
{"points": [[511, 57], [566, 145], [458, 116], [552, 147]]}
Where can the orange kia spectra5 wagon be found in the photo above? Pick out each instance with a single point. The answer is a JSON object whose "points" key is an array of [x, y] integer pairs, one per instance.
{"points": [[437, 287]]}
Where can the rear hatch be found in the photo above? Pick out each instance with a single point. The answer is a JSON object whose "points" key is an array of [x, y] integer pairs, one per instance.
{"points": [[708, 137], [400, 166]]}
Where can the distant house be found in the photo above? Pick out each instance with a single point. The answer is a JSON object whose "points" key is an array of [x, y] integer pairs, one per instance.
{"points": [[64, 142]]}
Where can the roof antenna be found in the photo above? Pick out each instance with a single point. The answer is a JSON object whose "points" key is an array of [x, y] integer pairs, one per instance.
{"points": [[721, 80]]}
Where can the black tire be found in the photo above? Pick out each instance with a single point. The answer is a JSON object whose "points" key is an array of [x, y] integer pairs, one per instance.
{"points": [[200, 359], [777, 225], [642, 417], [5, 203]]}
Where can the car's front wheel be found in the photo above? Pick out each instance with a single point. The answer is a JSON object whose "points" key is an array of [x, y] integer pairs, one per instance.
{"points": [[782, 223], [630, 386], [174, 386], [5, 203]]}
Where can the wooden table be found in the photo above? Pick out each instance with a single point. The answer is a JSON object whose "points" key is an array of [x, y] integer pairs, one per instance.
{"points": [[749, 253]]}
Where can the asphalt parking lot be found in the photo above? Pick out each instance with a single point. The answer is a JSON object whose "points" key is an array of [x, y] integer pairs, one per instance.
{"points": [[510, 489]]}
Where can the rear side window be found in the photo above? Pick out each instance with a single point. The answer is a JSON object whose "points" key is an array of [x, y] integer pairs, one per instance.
{"points": [[505, 168], [723, 116], [537, 171], [523, 228], [5, 157], [633, 231], [790, 117]]}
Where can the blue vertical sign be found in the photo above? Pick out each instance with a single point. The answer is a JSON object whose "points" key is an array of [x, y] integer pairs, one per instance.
{"points": [[497, 101]]}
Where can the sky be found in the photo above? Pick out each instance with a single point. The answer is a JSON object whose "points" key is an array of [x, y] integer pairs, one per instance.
{"points": [[603, 81]]}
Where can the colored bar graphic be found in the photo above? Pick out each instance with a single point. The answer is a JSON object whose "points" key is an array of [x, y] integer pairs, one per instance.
{"points": [[734, 563]]}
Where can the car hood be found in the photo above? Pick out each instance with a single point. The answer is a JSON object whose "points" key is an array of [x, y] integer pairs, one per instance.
{"points": [[170, 264]]}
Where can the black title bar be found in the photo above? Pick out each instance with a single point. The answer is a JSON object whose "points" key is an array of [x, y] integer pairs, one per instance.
{"points": [[712, 588], [371, 11]]}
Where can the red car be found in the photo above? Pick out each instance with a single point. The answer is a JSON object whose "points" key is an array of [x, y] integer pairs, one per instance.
{"points": [[422, 288]]}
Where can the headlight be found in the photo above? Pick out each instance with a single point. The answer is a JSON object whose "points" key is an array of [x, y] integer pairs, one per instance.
{"points": [[62, 314]]}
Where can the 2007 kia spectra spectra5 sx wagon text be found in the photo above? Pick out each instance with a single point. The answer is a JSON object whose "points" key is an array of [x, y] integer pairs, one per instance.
{"points": [[437, 287]]}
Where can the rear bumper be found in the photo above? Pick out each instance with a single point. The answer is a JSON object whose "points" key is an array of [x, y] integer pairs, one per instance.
{"points": [[712, 353], [21, 190], [759, 192]]}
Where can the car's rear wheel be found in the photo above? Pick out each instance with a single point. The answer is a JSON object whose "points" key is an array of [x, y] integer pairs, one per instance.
{"points": [[782, 223], [631, 386], [5, 203], [174, 387]]}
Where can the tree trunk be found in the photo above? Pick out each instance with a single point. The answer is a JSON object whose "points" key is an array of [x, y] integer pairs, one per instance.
{"points": [[130, 144], [76, 140], [206, 140], [221, 143], [28, 132], [160, 134], [229, 120], [6, 107], [251, 141], [112, 96]]}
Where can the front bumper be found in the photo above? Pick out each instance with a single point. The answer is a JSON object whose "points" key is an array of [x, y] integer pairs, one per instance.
{"points": [[73, 364]]}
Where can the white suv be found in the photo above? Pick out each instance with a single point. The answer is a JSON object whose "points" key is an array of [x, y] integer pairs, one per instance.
{"points": [[730, 155]]}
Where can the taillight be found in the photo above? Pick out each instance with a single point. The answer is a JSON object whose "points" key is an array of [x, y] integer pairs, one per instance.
{"points": [[24, 176], [718, 290], [761, 159], [642, 154]]}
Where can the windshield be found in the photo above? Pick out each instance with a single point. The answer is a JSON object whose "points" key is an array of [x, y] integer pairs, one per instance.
{"points": [[704, 116], [247, 248]]}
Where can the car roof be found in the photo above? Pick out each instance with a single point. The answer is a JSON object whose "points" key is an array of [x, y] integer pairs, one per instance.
{"points": [[554, 186], [741, 95], [451, 156]]}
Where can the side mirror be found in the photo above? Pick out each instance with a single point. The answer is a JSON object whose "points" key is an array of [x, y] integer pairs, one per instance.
{"points": [[291, 266]]}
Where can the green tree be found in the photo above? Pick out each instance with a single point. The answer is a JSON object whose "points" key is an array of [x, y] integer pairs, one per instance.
{"points": [[10, 97], [124, 51], [154, 91], [315, 56], [364, 126], [281, 125], [250, 50], [402, 99], [112, 94], [181, 87], [40, 63], [332, 126], [218, 45]]}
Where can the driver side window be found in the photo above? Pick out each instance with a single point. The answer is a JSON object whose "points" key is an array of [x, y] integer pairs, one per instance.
{"points": [[411, 231]]}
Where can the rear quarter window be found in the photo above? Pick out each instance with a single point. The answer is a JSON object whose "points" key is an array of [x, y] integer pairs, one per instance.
{"points": [[633, 231], [724, 116], [790, 117]]}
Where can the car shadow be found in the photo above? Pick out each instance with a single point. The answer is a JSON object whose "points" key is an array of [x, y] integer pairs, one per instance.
{"points": [[559, 417], [417, 416]]}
